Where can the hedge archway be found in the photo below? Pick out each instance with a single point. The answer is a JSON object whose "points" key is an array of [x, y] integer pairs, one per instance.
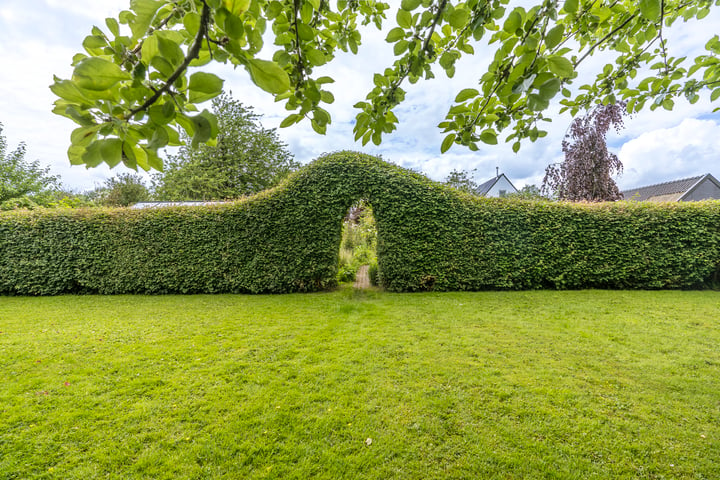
{"points": [[430, 237]]}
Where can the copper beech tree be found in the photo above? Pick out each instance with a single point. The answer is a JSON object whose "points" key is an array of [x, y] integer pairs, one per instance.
{"points": [[586, 174], [141, 76]]}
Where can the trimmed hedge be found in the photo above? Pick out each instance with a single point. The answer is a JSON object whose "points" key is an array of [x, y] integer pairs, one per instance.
{"points": [[429, 237]]}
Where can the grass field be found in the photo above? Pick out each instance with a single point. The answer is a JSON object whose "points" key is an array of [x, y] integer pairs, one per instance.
{"points": [[352, 384]]}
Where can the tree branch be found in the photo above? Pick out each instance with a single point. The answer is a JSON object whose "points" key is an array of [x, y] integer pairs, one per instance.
{"points": [[602, 40], [192, 54]]}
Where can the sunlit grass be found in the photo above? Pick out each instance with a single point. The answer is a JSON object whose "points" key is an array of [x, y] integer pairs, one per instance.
{"points": [[353, 384]]}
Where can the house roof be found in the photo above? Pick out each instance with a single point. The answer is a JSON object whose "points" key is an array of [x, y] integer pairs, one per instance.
{"points": [[666, 192], [173, 204], [484, 188]]}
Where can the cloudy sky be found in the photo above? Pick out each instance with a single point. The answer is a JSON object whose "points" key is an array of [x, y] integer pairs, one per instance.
{"points": [[39, 38]]}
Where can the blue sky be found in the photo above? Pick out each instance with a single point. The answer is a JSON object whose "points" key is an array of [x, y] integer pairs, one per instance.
{"points": [[40, 41]]}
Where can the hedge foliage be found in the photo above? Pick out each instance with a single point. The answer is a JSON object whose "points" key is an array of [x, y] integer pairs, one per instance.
{"points": [[429, 237]]}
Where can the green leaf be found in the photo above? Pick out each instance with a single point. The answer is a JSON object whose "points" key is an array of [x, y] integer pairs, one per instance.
{"points": [[234, 27], [191, 22], [560, 66], [447, 143], [489, 137], [466, 94], [162, 114], [67, 90], [149, 50], [650, 9], [94, 44], [268, 76], [404, 19], [554, 36], [204, 86], [458, 18], [536, 103], [159, 139], [549, 89], [395, 34], [237, 7], [400, 47], [111, 151], [291, 120], [513, 22], [316, 57], [145, 11], [571, 6], [113, 26], [84, 135], [92, 157], [97, 74], [410, 5]]}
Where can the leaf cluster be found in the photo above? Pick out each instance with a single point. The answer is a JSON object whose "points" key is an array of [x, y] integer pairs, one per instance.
{"points": [[131, 91]]}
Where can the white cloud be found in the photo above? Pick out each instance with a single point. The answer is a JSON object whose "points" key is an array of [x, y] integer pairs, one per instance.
{"points": [[685, 150]]}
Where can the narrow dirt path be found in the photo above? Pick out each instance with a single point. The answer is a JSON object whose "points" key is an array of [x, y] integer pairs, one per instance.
{"points": [[362, 278]]}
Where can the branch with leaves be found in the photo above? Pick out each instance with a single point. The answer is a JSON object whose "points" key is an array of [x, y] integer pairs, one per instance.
{"points": [[138, 85]]}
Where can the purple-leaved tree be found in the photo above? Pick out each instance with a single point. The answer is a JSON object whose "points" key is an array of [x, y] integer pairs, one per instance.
{"points": [[587, 171]]}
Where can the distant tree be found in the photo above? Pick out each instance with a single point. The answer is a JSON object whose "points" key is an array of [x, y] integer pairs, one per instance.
{"points": [[528, 192], [121, 191], [587, 171], [23, 183], [462, 180], [246, 159]]}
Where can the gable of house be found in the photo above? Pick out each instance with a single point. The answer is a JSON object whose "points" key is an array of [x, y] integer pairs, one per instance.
{"points": [[496, 187], [703, 187]]}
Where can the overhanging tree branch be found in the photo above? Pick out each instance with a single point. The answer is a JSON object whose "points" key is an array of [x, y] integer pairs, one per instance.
{"points": [[192, 54]]}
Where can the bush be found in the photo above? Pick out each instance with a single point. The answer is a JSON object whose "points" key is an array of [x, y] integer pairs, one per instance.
{"points": [[373, 274], [428, 237]]}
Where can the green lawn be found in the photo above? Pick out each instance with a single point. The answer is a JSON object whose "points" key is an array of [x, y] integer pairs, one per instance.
{"points": [[351, 384]]}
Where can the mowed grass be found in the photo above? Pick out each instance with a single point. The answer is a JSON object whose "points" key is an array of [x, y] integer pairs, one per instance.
{"points": [[352, 384]]}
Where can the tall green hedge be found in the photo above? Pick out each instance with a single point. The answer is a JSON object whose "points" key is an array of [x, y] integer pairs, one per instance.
{"points": [[429, 237]]}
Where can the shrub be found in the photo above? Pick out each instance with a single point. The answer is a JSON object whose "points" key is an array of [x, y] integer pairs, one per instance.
{"points": [[373, 274], [428, 237]]}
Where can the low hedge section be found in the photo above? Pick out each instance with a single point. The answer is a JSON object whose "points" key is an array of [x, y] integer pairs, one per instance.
{"points": [[430, 237]]}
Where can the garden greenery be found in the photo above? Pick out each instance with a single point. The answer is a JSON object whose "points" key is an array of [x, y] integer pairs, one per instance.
{"points": [[429, 237]]}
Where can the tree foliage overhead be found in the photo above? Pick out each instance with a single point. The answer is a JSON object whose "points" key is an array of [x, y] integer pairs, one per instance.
{"points": [[20, 178], [131, 90], [246, 159], [586, 174]]}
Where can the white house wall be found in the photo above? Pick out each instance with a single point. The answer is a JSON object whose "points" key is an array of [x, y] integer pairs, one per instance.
{"points": [[501, 187]]}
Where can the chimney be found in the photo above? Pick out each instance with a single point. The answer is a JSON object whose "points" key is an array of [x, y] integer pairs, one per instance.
{"points": [[497, 172]]}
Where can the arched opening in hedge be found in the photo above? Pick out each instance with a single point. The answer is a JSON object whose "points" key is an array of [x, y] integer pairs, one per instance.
{"points": [[358, 245]]}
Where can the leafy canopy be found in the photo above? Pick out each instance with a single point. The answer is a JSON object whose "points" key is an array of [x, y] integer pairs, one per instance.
{"points": [[132, 89], [246, 159], [22, 181], [587, 171]]}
